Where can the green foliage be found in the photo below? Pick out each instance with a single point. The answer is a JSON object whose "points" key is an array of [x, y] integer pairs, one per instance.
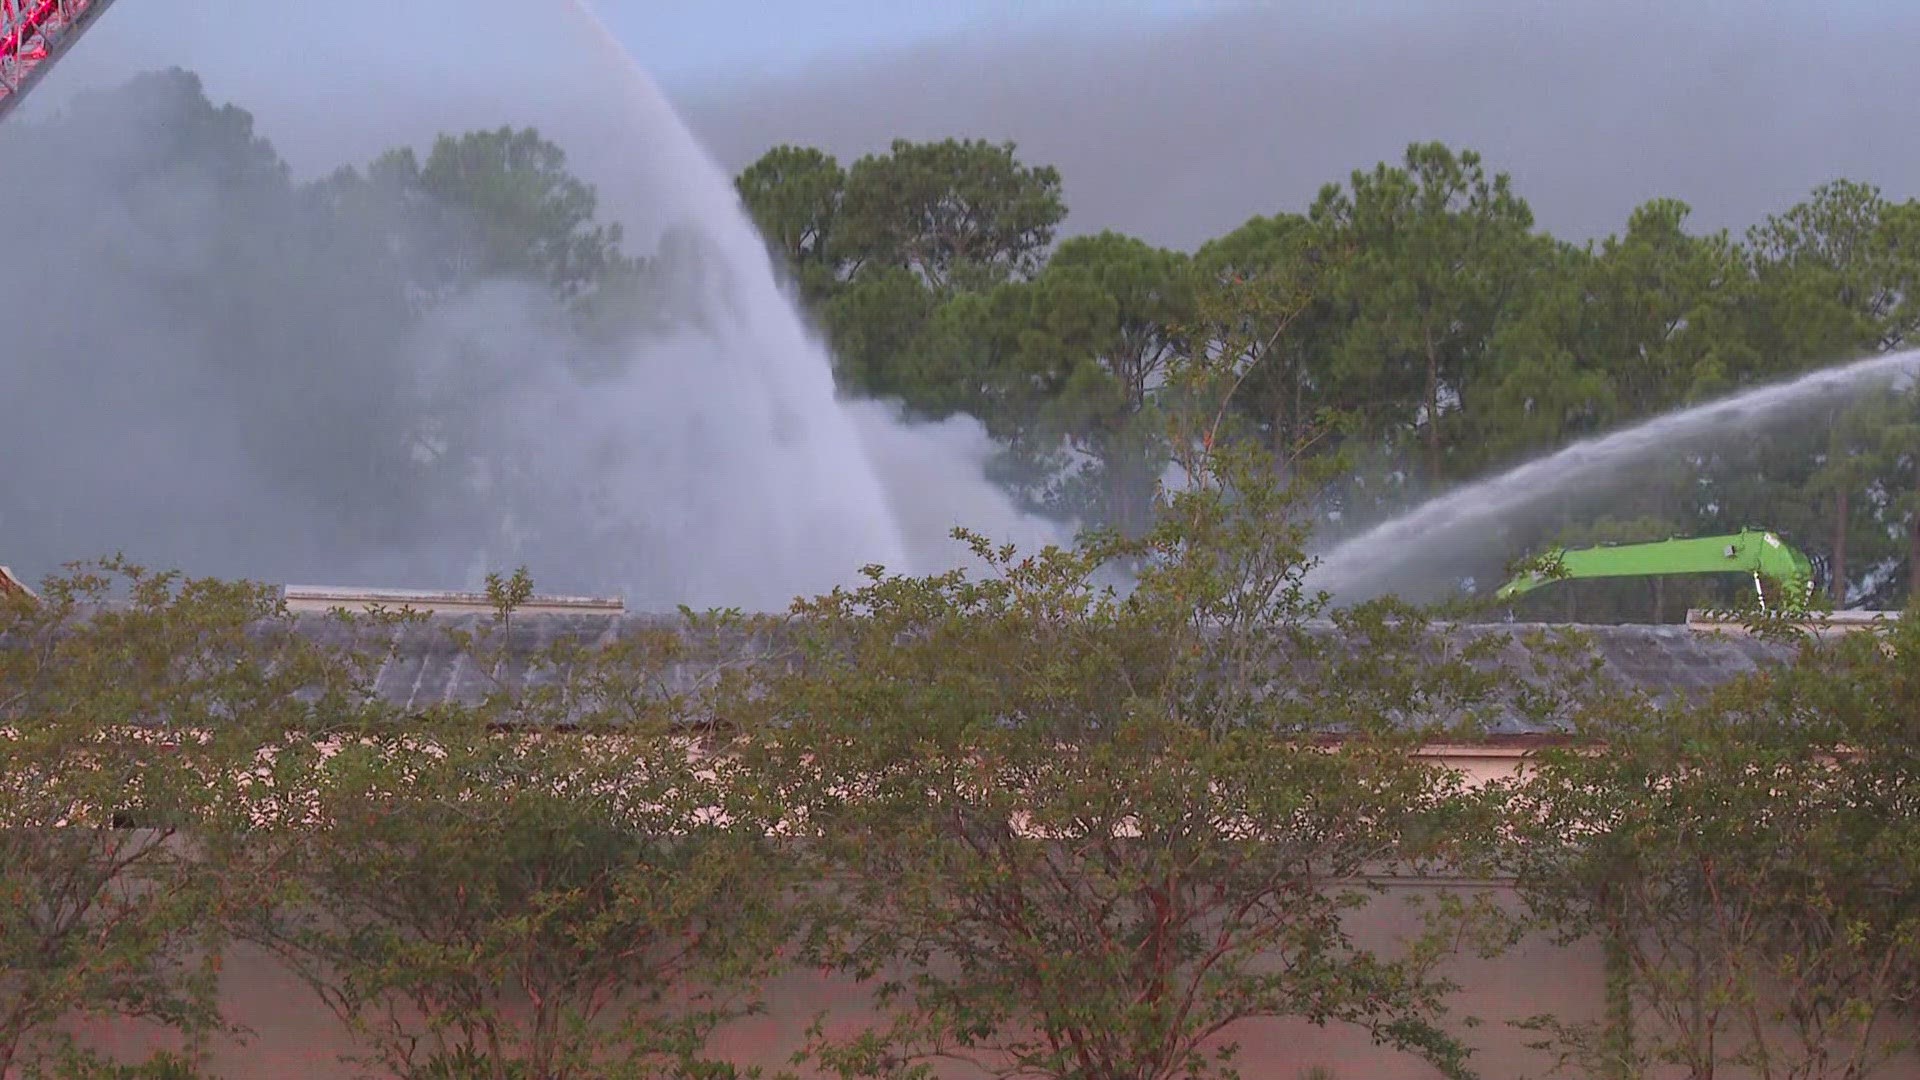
{"points": [[1109, 307], [955, 214], [1267, 284], [958, 213], [1060, 829], [553, 883], [1749, 864], [530, 214], [1835, 271], [889, 331], [78, 1065], [557, 879], [793, 194], [1411, 324], [131, 705], [1663, 315], [1070, 833], [1441, 250], [1411, 321], [533, 905]]}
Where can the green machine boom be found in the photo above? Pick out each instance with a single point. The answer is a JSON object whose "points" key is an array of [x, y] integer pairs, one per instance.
{"points": [[1752, 551]]}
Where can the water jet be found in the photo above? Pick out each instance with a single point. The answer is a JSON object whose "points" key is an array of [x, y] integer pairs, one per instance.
{"points": [[1407, 554]]}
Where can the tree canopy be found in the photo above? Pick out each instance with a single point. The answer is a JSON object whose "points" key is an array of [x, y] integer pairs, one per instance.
{"points": [[1417, 323]]}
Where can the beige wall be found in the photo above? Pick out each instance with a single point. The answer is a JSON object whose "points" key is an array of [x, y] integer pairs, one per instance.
{"points": [[294, 1036]]}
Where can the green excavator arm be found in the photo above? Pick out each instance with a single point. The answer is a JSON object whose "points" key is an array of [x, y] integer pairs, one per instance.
{"points": [[1752, 551]]}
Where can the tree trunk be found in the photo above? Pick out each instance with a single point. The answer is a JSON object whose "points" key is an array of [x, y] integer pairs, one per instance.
{"points": [[1300, 408], [1282, 421], [1913, 539], [1433, 412], [1840, 548], [1619, 1061]]}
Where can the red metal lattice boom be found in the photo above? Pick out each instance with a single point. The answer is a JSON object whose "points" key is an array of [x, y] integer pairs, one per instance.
{"points": [[34, 34]]}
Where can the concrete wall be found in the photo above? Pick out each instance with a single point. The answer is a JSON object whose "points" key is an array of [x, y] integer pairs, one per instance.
{"points": [[294, 1036]]}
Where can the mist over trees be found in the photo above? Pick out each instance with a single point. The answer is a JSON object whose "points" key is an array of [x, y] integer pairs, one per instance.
{"points": [[234, 372], [213, 318], [1045, 827], [1417, 323]]}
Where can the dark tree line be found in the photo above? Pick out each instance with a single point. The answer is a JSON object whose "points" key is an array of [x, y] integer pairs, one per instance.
{"points": [[202, 336], [1093, 858], [1414, 321], [1409, 330]]}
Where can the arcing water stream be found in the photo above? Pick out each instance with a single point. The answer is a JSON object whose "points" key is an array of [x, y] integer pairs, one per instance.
{"points": [[785, 369], [705, 459], [1405, 556], [762, 488], [721, 467], [718, 465], [812, 504], [327, 370]]}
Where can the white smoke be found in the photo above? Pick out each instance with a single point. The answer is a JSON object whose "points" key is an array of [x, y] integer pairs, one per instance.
{"points": [[243, 415], [681, 476], [935, 475]]}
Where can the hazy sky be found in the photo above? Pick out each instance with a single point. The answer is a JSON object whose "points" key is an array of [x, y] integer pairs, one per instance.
{"points": [[1172, 119], [725, 39]]}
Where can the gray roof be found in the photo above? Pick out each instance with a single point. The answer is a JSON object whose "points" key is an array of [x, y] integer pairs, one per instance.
{"points": [[1666, 663], [425, 667]]}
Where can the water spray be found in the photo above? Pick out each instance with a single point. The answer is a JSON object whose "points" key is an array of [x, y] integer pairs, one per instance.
{"points": [[1381, 560]]}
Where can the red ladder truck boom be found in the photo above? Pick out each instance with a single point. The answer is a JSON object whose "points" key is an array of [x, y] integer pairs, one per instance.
{"points": [[33, 35]]}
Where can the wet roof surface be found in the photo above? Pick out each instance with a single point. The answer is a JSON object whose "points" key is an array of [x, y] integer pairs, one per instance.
{"points": [[425, 666]]}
